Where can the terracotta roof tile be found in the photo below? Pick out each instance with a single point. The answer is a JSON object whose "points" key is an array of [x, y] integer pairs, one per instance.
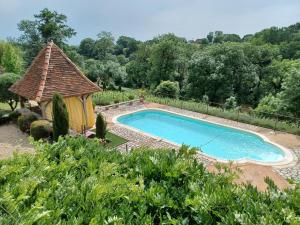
{"points": [[52, 71]]}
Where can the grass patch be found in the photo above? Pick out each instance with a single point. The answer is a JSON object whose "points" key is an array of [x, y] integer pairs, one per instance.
{"points": [[114, 140], [111, 97], [4, 106]]}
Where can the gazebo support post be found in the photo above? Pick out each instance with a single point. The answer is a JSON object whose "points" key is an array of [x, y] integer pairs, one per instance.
{"points": [[43, 106], [22, 100], [83, 101]]}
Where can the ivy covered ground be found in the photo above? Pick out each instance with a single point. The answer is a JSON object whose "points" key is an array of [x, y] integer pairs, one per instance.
{"points": [[78, 181]]}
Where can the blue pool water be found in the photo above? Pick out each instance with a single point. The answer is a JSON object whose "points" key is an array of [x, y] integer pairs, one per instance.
{"points": [[215, 140]]}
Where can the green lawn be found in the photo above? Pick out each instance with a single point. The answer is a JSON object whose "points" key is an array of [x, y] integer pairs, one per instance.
{"points": [[4, 106], [114, 140]]}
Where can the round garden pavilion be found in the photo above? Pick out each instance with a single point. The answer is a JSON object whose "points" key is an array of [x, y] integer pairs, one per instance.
{"points": [[53, 72]]}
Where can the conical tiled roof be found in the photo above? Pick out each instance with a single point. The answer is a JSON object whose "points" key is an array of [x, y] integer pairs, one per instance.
{"points": [[52, 71]]}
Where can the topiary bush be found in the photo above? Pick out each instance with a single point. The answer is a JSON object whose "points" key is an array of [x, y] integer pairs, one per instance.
{"points": [[41, 129], [167, 89], [24, 121], [100, 126], [60, 117]]}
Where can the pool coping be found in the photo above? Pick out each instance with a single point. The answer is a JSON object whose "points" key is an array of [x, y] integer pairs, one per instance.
{"points": [[289, 157]]}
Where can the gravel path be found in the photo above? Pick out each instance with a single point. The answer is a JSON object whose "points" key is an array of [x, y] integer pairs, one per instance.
{"points": [[13, 140]]}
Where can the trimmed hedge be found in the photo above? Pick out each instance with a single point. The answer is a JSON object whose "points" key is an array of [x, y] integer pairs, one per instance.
{"points": [[41, 129]]}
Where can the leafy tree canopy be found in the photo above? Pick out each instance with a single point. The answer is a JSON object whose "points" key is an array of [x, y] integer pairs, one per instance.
{"points": [[48, 25]]}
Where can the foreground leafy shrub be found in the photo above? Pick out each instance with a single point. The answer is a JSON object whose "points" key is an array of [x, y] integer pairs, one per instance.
{"points": [[77, 181], [24, 121], [41, 129]]}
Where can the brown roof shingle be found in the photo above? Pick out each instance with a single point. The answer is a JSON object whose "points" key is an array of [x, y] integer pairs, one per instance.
{"points": [[52, 71]]}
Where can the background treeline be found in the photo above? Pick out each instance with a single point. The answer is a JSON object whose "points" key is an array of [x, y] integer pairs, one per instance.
{"points": [[260, 71]]}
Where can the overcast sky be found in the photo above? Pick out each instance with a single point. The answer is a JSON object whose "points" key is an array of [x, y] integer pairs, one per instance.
{"points": [[144, 19]]}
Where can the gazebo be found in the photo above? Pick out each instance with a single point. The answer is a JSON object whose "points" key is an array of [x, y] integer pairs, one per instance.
{"points": [[53, 72]]}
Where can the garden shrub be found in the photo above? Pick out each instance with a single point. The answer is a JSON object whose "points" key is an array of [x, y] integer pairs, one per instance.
{"points": [[167, 89], [100, 126], [108, 97], [24, 121], [78, 181], [41, 129], [14, 115], [230, 103], [60, 117], [4, 117]]}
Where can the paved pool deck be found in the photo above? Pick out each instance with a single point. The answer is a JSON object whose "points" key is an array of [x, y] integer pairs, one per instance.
{"points": [[252, 173]]}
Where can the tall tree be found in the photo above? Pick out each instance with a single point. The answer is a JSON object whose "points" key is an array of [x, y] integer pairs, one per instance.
{"points": [[291, 92], [86, 47], [48, 25], [104, 46], [126, 46], [10, 58], [6, 80]]}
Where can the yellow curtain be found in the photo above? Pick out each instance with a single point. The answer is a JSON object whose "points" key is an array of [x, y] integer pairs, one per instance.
{"points": [[76, 112]]}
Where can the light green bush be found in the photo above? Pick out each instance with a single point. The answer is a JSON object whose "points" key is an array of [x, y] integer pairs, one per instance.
{"points": [[41, 129], [167, 89]]}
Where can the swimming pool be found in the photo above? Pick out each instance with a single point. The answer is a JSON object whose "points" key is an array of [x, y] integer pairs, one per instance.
{"points": [[220, 142]]}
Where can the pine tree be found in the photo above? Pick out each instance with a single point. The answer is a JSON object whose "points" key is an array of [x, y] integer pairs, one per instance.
{"points": [[60, 117], [100, 126]]}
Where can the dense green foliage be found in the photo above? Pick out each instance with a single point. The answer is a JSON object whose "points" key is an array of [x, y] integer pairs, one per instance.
{"points": [[100, 126], [77, 181], [10, 58], [47, 26], [6, 80], [109, 97], [41, 129], [167, 89], [60, 117]]}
